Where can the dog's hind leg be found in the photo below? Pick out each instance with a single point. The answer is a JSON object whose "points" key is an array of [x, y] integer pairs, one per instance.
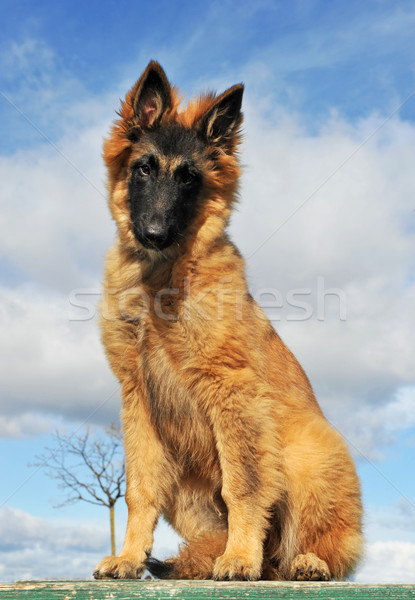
{"points": [[325, 497], [200, 517]]}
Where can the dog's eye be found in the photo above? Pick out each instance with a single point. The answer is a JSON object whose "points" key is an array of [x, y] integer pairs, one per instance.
{"points": [[187, 177], [144, 170]]}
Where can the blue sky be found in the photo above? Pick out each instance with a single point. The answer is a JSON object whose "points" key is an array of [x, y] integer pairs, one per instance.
{"points": [[329, 118], [314, 56]]}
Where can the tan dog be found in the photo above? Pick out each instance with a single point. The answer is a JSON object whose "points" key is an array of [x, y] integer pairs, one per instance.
{"points": [[222, 432]]}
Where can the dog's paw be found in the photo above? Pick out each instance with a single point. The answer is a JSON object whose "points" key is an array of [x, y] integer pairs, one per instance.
{"points": [[308, 567], [120, 567], [235, 568]]}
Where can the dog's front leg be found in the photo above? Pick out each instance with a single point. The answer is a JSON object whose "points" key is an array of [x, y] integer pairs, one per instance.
{"points": [[149, 479], [248, 448]]}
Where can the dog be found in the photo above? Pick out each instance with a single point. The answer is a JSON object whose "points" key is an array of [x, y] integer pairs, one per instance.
{"points": [[222, 432]]}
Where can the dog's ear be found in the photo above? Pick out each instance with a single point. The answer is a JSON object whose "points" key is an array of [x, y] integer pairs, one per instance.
{"points": [[223, 119], [152, 96]]}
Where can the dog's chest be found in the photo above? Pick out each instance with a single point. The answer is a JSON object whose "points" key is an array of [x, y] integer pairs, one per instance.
{"points": [[178, 416]]}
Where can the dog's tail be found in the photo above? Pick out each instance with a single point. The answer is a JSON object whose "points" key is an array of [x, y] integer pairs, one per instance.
{"points": [[195, 560]]}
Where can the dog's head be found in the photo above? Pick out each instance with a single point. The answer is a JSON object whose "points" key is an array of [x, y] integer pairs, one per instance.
{"points": [[171, 170]]}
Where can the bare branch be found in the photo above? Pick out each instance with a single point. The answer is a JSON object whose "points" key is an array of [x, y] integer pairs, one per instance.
{"points": [[90, 468]]}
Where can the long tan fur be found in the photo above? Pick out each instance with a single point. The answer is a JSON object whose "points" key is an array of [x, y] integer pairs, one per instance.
{"points": [[222, 432]]}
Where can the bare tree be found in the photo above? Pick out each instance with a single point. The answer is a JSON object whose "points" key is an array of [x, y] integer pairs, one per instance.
{"points": [[89, 468]]}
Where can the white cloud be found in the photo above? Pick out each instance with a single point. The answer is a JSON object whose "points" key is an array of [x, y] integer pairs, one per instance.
{"points": [[46, 92], [55, 229], [398, 414], [388, 562], [55, 225], [372, 427], [389, 555], [25, 425], [35, 548], [50, 366], [395, 521], [25, 58]]}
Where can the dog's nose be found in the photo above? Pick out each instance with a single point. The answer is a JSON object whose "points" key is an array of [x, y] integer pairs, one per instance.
{"points": [[155, 232]]}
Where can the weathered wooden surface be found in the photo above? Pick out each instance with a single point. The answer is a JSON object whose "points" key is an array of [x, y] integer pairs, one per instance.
{"points": [[163, 590]]}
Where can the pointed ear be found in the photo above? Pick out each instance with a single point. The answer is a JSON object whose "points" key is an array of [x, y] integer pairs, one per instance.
{"points": [[224, 117], [152, 96]]}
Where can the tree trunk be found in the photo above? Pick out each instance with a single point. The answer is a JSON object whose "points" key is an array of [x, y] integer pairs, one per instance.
{"points": [[112, 527]]}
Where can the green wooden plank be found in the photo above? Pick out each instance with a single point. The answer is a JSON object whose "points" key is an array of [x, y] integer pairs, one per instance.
{"points": [[192, 590]]}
